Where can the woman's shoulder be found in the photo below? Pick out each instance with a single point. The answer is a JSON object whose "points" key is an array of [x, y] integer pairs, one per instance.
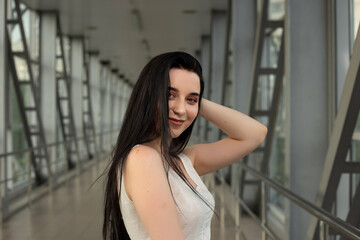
{"points": [[143, 153], [143, 169], [144, 157]]}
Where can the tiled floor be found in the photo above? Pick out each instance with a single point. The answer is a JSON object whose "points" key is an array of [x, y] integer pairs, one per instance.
{"points": [[74, 211]]}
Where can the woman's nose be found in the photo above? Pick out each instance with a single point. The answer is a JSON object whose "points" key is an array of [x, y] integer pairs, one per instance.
{"points": [[179, 107]]}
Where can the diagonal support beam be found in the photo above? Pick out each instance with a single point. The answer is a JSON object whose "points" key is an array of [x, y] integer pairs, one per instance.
{"points": [[341, 137], [354, 212]]}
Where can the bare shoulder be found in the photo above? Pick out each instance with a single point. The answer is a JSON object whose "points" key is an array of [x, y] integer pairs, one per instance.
{"points": [[142, 155], [142, 163], [141, 150]]}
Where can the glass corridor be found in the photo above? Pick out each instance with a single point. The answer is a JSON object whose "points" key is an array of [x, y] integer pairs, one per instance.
{"points": [[67, 70]]}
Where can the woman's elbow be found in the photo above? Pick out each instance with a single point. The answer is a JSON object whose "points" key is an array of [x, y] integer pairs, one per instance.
{"points": [[263, 133]]}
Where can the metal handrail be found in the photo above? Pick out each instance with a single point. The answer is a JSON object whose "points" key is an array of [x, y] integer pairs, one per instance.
{"points": [[336, 223], [25, 150], [29, 187]]}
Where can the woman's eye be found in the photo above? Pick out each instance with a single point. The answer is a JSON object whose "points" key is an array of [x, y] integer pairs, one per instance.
{"points": [[171, 95], [192, 100]]}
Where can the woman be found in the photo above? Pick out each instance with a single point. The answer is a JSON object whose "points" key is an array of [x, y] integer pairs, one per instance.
{"points": [[153, 188]]}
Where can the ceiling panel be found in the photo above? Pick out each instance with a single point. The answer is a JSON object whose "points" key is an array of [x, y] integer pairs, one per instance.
{"points": [[112, 28]]}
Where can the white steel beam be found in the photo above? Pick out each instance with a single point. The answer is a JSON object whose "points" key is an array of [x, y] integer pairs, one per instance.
{"points": [[76, 69], [94, 78], [2, 100], [243, 36], [306, 95], [48, 81], [205, 61], [217, 57]]}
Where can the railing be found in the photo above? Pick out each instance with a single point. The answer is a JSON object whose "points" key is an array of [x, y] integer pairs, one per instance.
{"points": [[26, 188], [325, 218]]}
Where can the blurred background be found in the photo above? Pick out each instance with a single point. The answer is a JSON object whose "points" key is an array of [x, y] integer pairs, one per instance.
{"points": [[67, 69]]}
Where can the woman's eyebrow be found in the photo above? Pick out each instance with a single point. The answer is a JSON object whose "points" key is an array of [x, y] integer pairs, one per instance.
{"points": [[174, 89], [192, 94]]}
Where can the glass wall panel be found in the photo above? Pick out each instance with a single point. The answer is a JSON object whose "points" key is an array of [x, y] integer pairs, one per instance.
{"points": [[356, 19], [271, 48], [60, 163], [265, 92], [277, 157], [17, 165], [67, 48], [276, 9], [31, 23]]}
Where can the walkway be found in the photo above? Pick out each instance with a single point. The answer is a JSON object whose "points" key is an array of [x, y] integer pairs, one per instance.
{"points": [[73, 211]]}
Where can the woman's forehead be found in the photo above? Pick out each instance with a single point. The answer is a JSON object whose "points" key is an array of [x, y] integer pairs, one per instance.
{"points": [[185, 80]]}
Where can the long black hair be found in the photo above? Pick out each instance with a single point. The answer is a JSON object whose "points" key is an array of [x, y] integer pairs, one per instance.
{"points": [[146, 118]]}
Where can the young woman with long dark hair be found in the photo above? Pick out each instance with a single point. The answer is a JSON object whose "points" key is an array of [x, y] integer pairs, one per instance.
{"points": [[153, 187]]}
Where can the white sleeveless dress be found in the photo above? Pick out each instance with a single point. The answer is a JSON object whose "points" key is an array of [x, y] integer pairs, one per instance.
{"points": [[195, 216]]}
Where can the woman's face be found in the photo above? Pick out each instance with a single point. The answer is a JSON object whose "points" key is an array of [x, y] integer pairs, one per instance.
{"points": [[184, 94]]}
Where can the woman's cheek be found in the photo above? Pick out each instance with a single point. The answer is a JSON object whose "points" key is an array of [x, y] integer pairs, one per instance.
{"points": [[193, 113]]}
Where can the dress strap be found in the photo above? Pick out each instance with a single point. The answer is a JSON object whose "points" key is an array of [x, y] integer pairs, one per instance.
{"points": [[186, 161]]}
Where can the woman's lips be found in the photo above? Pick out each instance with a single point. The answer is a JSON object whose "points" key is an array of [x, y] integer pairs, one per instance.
{"points": [[176, 122]]}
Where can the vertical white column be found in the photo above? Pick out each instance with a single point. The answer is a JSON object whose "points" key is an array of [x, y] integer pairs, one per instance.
{"points": [[107, 109], [76, 59], [103, 73], [205, 62], [120, 100], [217, 57], [306, 95], [118, 105], [2, 100], [114, 109], [48, 81], [95, 91], [243, 34], [124, 97], [128, 91], [110, 107]]}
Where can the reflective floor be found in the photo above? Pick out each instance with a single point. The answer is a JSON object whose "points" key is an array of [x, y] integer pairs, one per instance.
{"points": [[250, 229], [74, 211]]}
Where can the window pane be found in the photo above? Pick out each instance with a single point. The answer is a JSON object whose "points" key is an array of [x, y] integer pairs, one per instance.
{"points": [[276, 9], [356, 16], [19, 162], [277, 158]]}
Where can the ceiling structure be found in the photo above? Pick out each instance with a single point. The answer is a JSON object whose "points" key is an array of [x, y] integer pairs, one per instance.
{"points": [[129, 32]]}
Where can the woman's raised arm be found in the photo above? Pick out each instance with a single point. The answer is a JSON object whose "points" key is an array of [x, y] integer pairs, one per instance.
{"points": [[244, 135]]}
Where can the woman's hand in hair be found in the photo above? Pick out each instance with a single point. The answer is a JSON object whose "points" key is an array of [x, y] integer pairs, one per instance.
{"points": [[244, 135], [147, 186]]}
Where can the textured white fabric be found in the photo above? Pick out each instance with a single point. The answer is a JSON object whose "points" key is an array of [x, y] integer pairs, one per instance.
{"points": [[195, 216]]}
